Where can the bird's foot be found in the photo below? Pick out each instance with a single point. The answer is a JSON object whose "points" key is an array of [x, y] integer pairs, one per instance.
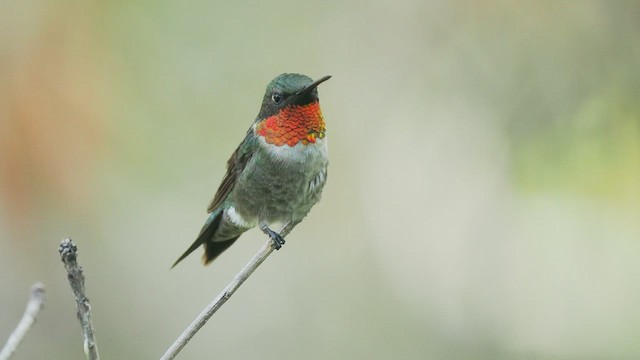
{"points": [[278, 240]]}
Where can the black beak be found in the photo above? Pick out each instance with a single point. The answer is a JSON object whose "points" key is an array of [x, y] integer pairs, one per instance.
{"points": [[309, 88]]}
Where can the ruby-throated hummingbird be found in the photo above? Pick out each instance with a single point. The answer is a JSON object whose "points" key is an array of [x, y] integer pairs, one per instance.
{"points": [[277, 173]]}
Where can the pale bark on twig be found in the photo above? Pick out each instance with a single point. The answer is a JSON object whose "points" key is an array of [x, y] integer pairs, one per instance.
{"points": [[204, 316], [69, 256], [35, 304]]}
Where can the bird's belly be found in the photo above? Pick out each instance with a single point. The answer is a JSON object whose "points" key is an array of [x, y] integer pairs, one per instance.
{"points": [[281, 187]]}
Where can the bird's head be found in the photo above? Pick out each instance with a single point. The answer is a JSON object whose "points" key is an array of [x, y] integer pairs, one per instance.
{"points": [[290, 112]]}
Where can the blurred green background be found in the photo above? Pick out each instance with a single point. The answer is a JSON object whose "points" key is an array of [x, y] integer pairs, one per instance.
{"points": [[483, 200]]}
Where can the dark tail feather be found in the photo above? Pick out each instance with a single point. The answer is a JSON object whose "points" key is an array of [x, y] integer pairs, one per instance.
{"points": [[213, 249], [205, 236]]}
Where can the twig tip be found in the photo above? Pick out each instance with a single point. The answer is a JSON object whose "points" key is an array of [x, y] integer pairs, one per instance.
{"points": [[67, 249], [38, 291]]}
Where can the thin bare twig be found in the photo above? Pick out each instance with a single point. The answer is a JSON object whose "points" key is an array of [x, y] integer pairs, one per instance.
{"points": [[36, 301], [204, 316], [69, 256]]}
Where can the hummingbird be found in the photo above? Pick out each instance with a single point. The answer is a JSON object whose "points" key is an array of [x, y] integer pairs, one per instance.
{"points": [[277, 173]]}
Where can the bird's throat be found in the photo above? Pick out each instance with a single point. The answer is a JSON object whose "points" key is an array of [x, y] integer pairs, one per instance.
{"points": [[292, 125]]}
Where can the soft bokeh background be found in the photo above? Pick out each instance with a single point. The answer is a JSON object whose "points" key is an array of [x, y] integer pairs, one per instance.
{"points": [[483, 198]]}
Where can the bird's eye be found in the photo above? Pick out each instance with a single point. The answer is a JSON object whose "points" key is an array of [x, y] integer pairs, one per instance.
{"points": [[276, 98]]}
